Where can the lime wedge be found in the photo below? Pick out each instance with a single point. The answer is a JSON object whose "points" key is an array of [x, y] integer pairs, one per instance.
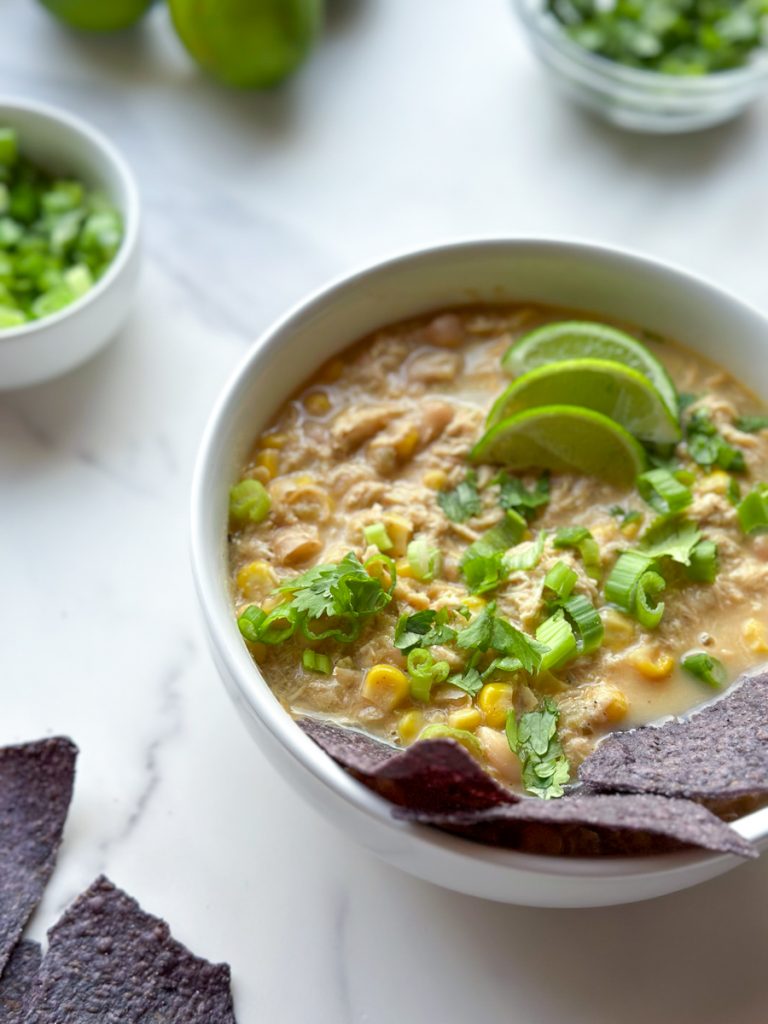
{"points": [[622, 394], [577, 339], [566, 439]]}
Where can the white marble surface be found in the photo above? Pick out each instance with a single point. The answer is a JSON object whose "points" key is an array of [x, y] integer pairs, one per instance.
{"points": [[413, 122]]}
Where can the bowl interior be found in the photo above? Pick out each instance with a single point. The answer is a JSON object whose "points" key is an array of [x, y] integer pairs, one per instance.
{"points": [[598, 281]]}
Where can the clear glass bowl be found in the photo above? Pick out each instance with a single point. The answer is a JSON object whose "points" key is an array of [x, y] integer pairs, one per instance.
{"points": [[643, 101]]}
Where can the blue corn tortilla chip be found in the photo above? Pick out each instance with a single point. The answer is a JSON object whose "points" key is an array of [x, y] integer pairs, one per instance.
{"points": [[36, 782], [16, 982], [432, 775], [110, 962], [579, 826], [717, 756]]}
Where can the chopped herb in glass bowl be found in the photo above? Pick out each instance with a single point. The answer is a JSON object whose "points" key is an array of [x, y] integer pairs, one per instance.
{"points": [[653, 65], [675, 37], [57, 237]]}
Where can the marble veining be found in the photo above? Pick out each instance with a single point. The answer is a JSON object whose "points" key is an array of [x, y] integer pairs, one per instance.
{"points": [[413, 123]]}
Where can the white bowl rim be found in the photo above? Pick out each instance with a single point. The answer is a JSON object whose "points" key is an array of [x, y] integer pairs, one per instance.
{"points": [[539, 22], [260, 700], [131, 214]]}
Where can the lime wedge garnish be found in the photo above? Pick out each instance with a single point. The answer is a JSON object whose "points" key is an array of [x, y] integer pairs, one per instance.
{"points": [[577, 339], [565, 439], [622, 394]]}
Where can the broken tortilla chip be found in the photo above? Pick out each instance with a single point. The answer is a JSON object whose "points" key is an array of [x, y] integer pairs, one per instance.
{"points": [[109, 959], [590, 826], [36, 782], [16, 981], [717, 756]]}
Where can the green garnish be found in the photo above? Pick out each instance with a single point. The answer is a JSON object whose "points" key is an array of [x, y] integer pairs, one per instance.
{"points": [[663, 492], [56, 238], [438, 731], [561, 579], [580, 538], [670, 537], [316, 662], [685, 399], [248, 502], [557, 636], [583, 616], [674, 37], [545, 769], [513, 494], [526, 556], [703, 567], [463, 501], [426, 628], [339, 596], [425, 561], [621, 587], [751, 424], [648, 610], [488, 631], [425, 672], [625, 515], [706, 668], [752, 510], [482, 565], [376, 534], [708, 448]]}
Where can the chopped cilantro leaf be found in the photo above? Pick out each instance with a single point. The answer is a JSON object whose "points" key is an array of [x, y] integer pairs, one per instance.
{"points": [[483, 565], [708, 448], [533, 738], [423, 629], [670, 537], [686, 399], [469, 680], [463, 501], [751, 424], [488, 631], [513, 494]]}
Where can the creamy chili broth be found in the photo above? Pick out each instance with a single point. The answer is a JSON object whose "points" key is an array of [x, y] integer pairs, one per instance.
{"points": [[379, 431]]}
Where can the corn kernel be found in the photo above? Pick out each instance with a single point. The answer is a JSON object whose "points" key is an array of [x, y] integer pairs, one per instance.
{"points": [[262, 474], [652, 664], [715, 483], [495, 700], [272, 601], [404, 569], [753, 632], [467, 719], [273, 441], [617, 705], [332, 370], [268, 460], [409, 726], [317, 404], [256, 578], [405, 446], [632, 528], [619, 630], [435, 479], [399, 531], [385, 686], [474, 603]]}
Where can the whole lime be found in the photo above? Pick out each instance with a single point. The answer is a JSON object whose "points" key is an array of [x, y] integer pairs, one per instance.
{"points": [[251, 44], [98, 15]]}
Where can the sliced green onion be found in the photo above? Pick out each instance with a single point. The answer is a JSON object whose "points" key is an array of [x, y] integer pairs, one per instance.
{"points": [[663, 492], [557, 635], [438, 731], [316, 662], [525, 557], [279, 625], [703, 567], [425, 561], [587, 623], [425, 672], [621, 585], [561, 579], [377, 535], [337, 632], [501, 537], [250, 622], [248, 502], [753, 509], [649, 586], [705, 667], [580, 538], [390, 568]]}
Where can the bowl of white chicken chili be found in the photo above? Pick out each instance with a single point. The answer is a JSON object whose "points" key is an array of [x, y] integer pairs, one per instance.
{"points": [[465, 521]]}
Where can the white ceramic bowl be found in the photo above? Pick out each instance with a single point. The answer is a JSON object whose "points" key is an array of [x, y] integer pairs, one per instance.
{"points": [[51, 346], [602, 281]]}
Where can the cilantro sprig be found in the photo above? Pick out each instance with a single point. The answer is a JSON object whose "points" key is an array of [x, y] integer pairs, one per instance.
{"points": [[513, 494], [534, 739], [463, 501], [708, 447]]}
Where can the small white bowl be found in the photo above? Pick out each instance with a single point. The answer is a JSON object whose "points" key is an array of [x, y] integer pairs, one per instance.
{"points": [[606, 282], [64, 144]]}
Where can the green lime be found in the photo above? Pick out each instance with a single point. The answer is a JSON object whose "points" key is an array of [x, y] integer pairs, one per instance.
{"points": [[565, 439], [577, 339], [251, 44], [98, 15], [624, 395]]}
